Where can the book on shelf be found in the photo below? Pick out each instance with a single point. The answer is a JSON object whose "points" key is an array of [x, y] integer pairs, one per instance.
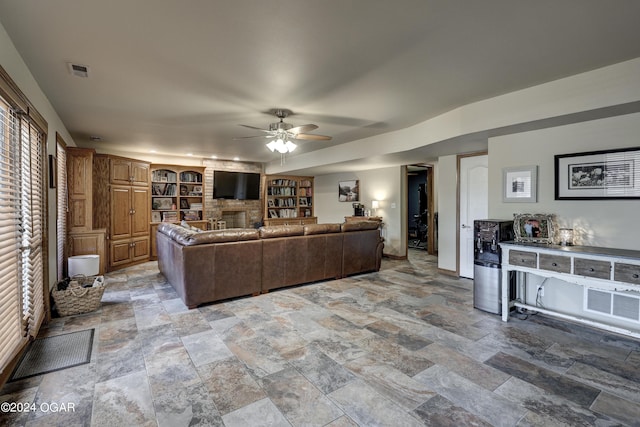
{"points": [[196, 206], [190, 177], [191, 216], [170, 216], [163, 175]]}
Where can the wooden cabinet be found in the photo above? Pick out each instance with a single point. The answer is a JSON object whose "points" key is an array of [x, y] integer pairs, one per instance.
{"points": [[129, 211], [288, 200], [89, 243], [127, 251], [123, 207], [129, 172], [79, 185]]}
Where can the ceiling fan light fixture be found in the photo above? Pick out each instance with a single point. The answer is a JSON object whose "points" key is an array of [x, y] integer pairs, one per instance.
{"points": [[272, 146], [290, 146]]}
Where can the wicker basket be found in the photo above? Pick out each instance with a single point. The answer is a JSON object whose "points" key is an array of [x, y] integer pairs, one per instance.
{"points": [[76, 299]]}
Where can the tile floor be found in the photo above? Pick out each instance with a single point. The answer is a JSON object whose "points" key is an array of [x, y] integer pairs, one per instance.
{"points": [[400, 347]]}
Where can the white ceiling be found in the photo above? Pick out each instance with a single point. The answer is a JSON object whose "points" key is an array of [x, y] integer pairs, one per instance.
{"points": [[180, 76]]}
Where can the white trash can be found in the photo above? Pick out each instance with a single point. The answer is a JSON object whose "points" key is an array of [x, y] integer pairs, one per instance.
{"points": [[88, 265]]}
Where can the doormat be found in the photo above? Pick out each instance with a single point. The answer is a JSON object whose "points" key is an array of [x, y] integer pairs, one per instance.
{"points": [[55, 353]]}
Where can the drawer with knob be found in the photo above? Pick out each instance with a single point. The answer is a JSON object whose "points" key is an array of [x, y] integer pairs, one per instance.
{"points": [[628, 273], [560, 264], [525, 259], [592, 268]]}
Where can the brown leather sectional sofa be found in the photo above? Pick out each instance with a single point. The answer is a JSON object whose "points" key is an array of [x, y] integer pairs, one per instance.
{"points": [[215, 265]]}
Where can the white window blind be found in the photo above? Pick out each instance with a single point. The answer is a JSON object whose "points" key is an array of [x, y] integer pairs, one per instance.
{"points": [[32, 208], [61, 215], [11, 335], [22, 228]]}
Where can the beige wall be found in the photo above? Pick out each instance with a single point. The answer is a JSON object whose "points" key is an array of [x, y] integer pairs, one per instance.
{"points": [[13, 64], [383, 184], [607, 223]]}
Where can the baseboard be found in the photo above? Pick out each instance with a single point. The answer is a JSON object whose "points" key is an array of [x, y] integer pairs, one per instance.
{"points": [[448, 272]]}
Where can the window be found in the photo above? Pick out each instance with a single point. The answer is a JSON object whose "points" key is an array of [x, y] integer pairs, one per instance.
{"points": [[22, 220], [61, 215]]}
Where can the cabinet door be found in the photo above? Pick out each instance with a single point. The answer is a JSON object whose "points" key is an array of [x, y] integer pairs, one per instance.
{"points": [[120, 252], [140, 249], [121, 212], [120, 171], [140, 206], [79, 177], [140, 174]]}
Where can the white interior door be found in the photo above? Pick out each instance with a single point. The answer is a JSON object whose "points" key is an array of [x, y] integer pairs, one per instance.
{"points": [[474, 204]]}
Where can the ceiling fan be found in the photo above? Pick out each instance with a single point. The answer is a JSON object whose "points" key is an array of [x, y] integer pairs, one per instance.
{"points": [[282, 133]]}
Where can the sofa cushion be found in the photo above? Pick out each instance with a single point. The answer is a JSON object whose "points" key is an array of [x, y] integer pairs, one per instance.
{"points": [[359, 225], [272, 231], [188, 237], [321, 229]]}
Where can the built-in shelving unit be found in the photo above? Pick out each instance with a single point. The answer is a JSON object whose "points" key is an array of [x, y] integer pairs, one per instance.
{"points": [[176, 195], [288, 200]]}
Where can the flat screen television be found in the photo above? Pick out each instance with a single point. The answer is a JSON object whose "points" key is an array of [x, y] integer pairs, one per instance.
{"points": [[236, 185]]}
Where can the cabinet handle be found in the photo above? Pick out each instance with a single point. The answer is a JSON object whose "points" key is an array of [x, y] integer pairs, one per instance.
{"points": [[635, 275], [591, 269], [555, 264]]}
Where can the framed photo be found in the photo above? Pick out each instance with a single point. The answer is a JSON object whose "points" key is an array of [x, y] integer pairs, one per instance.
{"points": [[197, 189], [607, 174], [520, 184], [536, 228], [156, 217], [164, 203], [270, 203], [303, 201], [184, 204], [349, 191]]}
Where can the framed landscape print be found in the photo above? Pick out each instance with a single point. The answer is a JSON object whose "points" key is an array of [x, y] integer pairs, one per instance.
{"points": [[520, 184], [607, 174], [349, 191]]}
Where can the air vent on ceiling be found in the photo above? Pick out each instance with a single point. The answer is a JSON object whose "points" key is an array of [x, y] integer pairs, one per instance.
{"points": [[78, 70]]}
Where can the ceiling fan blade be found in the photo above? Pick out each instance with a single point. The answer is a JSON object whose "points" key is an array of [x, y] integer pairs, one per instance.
{"points": [[311, 137], [255, 128], [302, 129], [255, 136]]}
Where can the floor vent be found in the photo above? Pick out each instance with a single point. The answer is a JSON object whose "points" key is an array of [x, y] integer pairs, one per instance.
{"points": [[624, 305]]}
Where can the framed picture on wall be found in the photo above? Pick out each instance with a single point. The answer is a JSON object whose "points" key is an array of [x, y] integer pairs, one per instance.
{"points": [[607, 174], [349, 191], [519, 184]]}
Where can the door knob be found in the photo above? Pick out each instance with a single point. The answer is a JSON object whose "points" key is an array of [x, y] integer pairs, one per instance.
{"points": [[466, 226]]}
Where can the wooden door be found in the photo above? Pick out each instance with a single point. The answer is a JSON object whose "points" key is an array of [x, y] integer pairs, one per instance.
{"points": [[140, 174], [120, 252], [474, 204], [120, 171], [80, 179], [140, 249], [140, 206], [121, 212]]}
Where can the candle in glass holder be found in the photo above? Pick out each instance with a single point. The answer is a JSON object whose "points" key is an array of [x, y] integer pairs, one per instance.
{"points": [[566, 236]]}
